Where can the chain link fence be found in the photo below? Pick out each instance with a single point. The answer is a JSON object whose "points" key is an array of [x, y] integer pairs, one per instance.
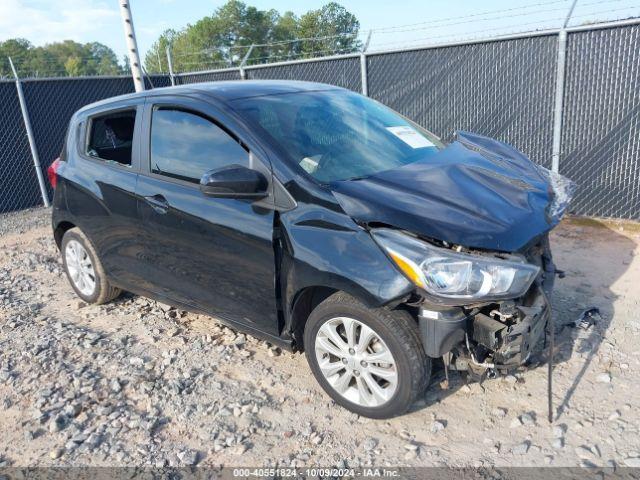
{"points": [[50, 104], [601, 126], [186, 78], [342, 72], [17, 174], [498, 89], [503, 88]]}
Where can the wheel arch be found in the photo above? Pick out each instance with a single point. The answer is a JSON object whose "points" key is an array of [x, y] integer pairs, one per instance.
{"points": [[303, 303], [59, 231]]}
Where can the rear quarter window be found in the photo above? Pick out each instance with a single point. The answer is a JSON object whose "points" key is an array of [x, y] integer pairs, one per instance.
{"points": [[110, 137]]}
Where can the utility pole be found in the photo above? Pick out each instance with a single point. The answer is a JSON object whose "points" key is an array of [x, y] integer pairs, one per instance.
{"points": [[132, 45]]}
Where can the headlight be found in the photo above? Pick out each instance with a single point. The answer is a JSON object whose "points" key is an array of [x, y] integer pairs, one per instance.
{"points": [[448, 274]]}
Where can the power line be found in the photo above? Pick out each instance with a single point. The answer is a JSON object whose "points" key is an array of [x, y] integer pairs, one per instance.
{"points": [[538, 12], [485, 30], [327, 37], [399, 28], [605, 11], [380, 29]]}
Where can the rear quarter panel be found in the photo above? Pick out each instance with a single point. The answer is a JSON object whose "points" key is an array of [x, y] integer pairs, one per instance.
{"points": [[99, 197]]}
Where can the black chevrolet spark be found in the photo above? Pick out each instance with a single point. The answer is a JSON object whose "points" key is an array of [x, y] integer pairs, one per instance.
{"points": [[316, 219]]}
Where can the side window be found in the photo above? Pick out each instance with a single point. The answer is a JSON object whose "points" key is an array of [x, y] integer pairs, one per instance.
{"points": [[111, 136], [185, 145]]}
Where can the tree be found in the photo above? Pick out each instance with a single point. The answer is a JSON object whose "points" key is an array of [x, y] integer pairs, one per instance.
{"points": [[58, 59], [17, 49], [224, 38], [336, 28]]}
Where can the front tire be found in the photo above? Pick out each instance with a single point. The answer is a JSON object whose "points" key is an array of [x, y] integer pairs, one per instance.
{"points": [[84, 269], [370, 361]]}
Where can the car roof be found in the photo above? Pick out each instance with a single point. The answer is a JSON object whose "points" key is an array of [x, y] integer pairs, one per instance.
{"points": [[224, 91]]}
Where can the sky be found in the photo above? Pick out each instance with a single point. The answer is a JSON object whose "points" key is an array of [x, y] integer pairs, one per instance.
{"points": [[395, 24]]}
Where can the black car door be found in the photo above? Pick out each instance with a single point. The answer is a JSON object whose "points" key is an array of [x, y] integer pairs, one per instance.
{"points": [[100, 192], [214, 254]]}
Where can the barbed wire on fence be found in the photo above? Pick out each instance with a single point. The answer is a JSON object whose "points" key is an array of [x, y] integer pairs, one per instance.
{"points": [[429, 25], [330, 45], [72, 67], [287, 50], [474, 35]]}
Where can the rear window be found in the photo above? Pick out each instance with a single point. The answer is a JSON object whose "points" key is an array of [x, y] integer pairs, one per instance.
{"points": [[111, 137]]}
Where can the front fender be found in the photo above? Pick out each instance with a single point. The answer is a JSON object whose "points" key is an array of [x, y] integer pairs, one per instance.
{"points": [[326, 248]]}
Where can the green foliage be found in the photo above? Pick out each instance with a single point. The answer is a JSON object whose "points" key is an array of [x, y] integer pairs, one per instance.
{"points": [[334, 24], [67, 58], [223, 39]]}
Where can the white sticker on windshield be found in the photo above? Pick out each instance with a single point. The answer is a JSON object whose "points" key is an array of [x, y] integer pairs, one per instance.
{"points": [[310, 164], [409, 136]]}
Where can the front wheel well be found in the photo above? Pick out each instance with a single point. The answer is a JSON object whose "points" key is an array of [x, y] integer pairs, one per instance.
{"points": [[60, 230], [304, 303]]}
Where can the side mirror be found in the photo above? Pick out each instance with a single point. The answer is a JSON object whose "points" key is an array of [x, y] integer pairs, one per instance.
{"points": [[234, 181]]}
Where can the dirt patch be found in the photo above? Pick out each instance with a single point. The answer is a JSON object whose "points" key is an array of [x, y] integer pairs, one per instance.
{"points": [[137, 383]]}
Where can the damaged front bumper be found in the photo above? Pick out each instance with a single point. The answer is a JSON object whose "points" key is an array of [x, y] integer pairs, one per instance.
{"points": [[498, 336]]}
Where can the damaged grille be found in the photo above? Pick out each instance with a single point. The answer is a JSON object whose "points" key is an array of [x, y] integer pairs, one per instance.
{"points": [[508, 332]]}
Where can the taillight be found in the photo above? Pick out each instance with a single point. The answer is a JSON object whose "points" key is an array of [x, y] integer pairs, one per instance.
{"points": [[52, 173]]}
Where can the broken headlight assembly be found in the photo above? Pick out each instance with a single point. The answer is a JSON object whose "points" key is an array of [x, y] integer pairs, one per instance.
{"points": [[454, 276]]}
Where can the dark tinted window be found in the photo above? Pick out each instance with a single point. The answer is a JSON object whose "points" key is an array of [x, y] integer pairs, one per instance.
{"points": [[111, 136], [185, 145]]}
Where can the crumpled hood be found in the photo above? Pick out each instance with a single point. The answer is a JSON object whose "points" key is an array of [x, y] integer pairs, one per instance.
{"points": [[476, 192]]}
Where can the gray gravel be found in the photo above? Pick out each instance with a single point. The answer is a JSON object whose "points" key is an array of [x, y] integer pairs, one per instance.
{"points": [[135, 382]]}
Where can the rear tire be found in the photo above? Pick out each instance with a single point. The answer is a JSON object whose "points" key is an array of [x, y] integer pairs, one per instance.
{"points": [[84, 269], [379, 370]]}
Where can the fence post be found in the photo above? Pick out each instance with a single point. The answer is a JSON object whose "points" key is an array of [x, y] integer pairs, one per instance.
{"points": [[30, 136], [558, 107], [559, 100], [243, 73], [170, 65], [364, 80]]}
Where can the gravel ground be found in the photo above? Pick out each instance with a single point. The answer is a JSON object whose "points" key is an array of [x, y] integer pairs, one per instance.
{"points": [[137, 383]]}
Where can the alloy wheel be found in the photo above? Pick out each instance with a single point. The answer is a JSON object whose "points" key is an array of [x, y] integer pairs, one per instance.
{"points": [[356, 362], [80, 267]]}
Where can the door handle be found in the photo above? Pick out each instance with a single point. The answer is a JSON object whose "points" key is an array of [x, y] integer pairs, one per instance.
{"points": [[158, 203]]}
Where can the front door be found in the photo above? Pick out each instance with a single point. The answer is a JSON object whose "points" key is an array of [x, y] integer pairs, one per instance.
{"points": [[215, 254]]}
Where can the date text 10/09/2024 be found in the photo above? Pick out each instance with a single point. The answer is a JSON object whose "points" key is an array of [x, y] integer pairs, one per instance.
{"points": [[315, 472]]}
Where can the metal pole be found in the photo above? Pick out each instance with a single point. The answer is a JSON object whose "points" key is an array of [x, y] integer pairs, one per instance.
{"points": [[555, 165], [552, 342], [170, 63], [243, 74], [559, 100], [363, 74], [363, 67], [159, 63], [132, 45], [31, 137]]}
